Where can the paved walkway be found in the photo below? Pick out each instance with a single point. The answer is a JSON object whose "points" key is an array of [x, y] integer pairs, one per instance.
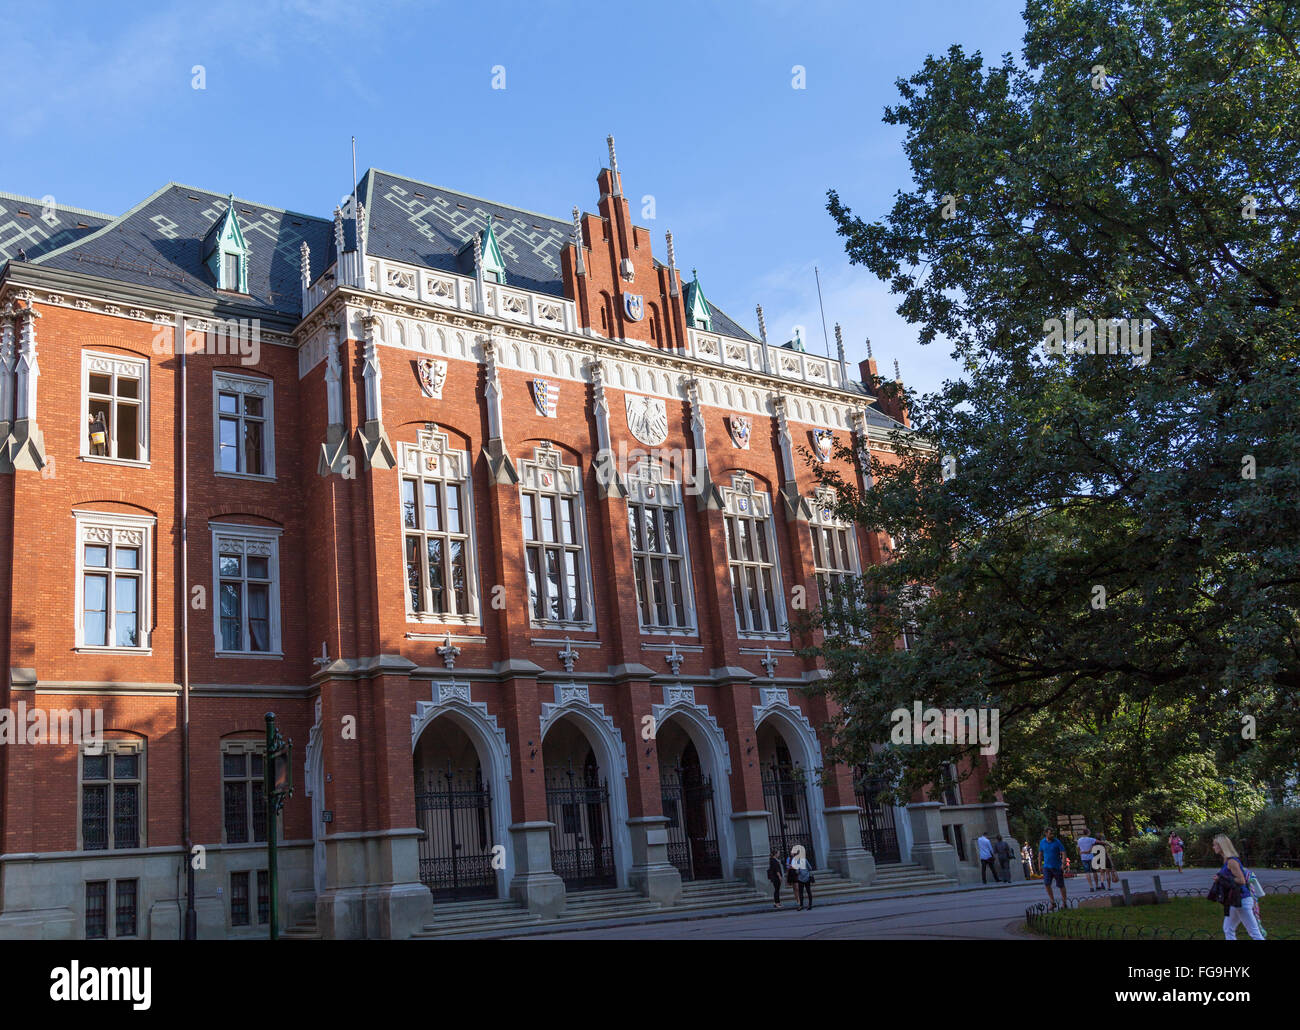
{"points": [[965, 913]]}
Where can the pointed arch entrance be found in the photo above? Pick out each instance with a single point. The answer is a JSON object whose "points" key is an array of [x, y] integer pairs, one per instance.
{"points": [[585, 800], [690, 801], [792, 795]]}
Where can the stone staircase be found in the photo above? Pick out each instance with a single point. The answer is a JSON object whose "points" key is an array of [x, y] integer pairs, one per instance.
{"points": [[497, 918], [303, 931]]}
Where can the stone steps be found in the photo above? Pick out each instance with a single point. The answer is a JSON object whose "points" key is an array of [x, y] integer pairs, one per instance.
{"points": [[496, 918]]}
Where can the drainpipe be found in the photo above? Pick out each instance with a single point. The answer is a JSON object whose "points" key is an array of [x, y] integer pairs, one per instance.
{"points": [[191, 916]]}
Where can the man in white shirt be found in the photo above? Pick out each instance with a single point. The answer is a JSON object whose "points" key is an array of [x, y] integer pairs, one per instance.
{"points": [[1086, 843], [986, 858]]}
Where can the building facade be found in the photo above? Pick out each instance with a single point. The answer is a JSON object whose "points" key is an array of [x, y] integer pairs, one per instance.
{"points": [[496, 512]]}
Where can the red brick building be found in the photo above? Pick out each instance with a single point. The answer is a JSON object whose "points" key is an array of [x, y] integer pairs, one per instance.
{"points": [[495, 511]]}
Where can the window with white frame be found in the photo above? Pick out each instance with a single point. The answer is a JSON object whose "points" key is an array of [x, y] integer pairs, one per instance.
{"points": [[245, 429], [752, 561], [113, 576], [437, 530], [660, 562], [115, 392], [246, 560], [559, 581], [242, 791], [112, 795], [835, 548]]}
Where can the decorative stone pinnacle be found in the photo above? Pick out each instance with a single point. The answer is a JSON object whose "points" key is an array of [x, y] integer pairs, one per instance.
{"points": [[569, 655], [613, 158], [449, 652], [769, 663], [324, 658], [672, 254], [898, 376], [762, 323], [675, 659], [868, 346]]}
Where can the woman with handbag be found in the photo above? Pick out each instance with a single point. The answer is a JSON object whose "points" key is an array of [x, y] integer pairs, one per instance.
{"points": [[1232, 885]]}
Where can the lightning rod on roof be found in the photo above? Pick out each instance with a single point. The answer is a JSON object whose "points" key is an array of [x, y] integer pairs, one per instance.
{"points": [[825, 338]]}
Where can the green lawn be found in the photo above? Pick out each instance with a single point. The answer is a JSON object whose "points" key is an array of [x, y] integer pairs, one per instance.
{"points": [[1181, 916]]}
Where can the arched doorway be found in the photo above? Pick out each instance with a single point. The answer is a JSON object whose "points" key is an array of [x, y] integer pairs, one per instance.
{"points": [[688, 798], [460, 856], [876, 818], [582, 805], [791, 793]]}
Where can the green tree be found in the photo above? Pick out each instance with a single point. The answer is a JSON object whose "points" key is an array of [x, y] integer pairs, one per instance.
{"points": [[1122, 532]]}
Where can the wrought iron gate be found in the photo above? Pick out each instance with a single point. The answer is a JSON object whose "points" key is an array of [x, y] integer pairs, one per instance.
{"points": [[687, 796], [876, 822], [785, 795], [582, 847], [455, 812]]}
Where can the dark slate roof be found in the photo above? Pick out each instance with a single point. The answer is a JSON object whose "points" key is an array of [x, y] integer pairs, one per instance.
{"points": [[29, 225], [422, 224], [159, 243]]}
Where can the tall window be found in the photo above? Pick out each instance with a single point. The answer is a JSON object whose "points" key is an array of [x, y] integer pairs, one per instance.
{"points": [[751, 557], [659, 553], [247, 612], [437, 530], [245, 443], [835, 551], [113, 597], [112, 783], [116, 419], [550, 495], [242, 786]]}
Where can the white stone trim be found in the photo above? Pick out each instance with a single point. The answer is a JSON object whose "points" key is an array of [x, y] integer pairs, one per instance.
{"points": [[264, 542], [114, 529], [256, 386], [575, 697], [680, 699]]}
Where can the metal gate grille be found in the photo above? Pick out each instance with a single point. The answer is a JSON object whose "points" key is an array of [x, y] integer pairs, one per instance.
{"points": [[687, 796], [785, 796], [455, 812], [876, 822], [582, 847]]}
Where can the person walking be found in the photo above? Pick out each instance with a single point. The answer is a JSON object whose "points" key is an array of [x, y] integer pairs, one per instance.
{"points": [[804, 884], [1051, 855], [1086, 842], [1108, 877], [1027, 860], [986, 858], [1176, 849], [774, 873], [1238, 904], [1002, 852]]}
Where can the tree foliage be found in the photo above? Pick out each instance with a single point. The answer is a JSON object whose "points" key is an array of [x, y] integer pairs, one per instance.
{"points": [[1120, 544]]}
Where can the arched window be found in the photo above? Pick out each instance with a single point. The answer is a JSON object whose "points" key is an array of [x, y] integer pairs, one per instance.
{"points": [[752, 561], [555, 544], [437, 528], [660, 556]]}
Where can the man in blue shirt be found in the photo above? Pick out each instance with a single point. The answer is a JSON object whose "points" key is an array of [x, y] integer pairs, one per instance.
{"points": [[1051, 853]]}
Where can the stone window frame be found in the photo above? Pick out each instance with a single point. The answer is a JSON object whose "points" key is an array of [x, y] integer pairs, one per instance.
{"points": [[131, 366], [231, 538], [822, 522], [244, 385], [113, 530], [453, 467], [109, 748], [741, 500], [646, 486], [246, 748], [111, 904], [565, 483]]}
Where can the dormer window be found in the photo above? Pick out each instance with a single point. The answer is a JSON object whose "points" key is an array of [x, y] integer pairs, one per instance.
{"points": [[698, 313], [225, 252], [494, 262]]}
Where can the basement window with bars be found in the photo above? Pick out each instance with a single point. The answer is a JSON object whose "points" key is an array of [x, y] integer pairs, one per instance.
{"points": [[242, 790], [555, 554], [116, 405], [112, 796], [123, 895], [241, 900], [752, 560], [437, 530]]}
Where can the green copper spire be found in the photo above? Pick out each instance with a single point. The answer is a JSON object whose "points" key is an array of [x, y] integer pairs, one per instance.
{"points": [[494, 262], [698, 314], [226, 253]]}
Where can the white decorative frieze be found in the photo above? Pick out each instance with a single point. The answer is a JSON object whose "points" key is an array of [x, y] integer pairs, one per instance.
{"points": [[574, 697], [679, 700]]}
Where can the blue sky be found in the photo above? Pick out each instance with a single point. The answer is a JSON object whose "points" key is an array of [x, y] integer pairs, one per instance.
{"points": [[101, 110]]}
